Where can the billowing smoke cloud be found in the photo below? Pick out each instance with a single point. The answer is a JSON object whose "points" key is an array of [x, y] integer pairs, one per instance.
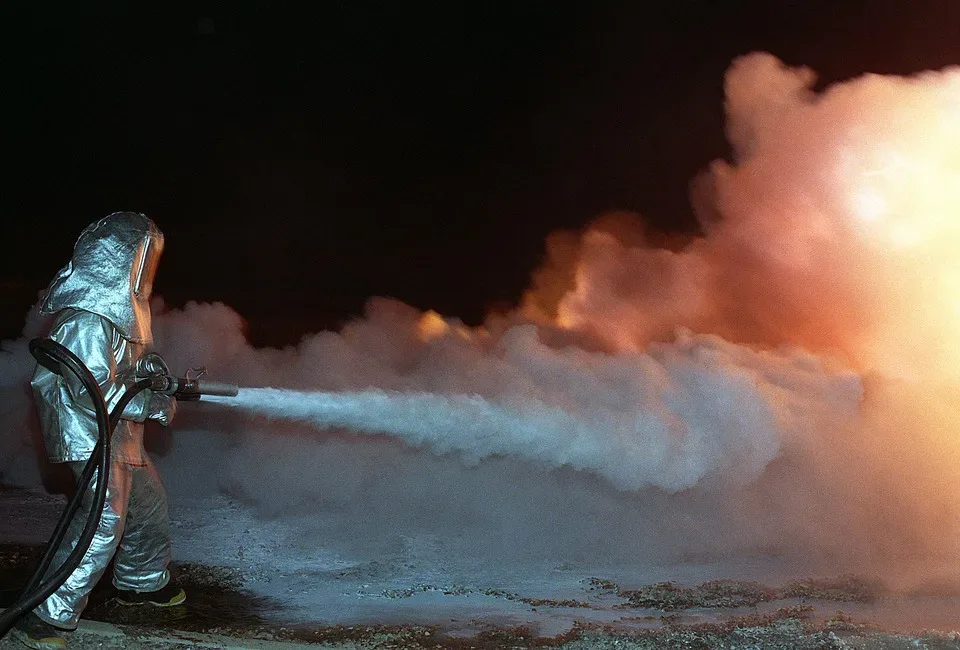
{"points": [[782, 384], [833, 228]]}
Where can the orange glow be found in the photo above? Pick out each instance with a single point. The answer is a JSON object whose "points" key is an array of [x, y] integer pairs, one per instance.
{"points": [[840, 231], [431, 326]]}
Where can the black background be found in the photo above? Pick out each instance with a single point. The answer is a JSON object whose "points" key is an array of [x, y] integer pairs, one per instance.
{"points": [[301, 160]]}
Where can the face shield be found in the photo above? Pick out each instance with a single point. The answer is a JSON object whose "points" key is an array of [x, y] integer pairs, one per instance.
{"points": [[145, 265]]}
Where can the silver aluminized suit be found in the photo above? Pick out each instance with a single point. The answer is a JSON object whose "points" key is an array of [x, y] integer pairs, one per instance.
{"points": [[101, 300]]}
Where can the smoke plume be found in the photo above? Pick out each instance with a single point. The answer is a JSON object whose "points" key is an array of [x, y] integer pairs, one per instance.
{"points": [[781, 384]]}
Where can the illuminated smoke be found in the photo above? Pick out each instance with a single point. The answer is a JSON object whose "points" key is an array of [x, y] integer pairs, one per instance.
{"points": [[834, 228], [785, 382]]}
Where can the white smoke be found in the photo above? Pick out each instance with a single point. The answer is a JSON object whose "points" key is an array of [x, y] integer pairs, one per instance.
{"points": [[731, 395]]}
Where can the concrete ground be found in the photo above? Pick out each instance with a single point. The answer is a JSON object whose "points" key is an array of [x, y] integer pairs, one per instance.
{"points": [[785, 634], [96, 635], [387, 604]]}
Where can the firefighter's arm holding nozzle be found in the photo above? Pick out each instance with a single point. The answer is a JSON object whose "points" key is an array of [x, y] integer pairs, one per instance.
{"points": [[99, 345]]}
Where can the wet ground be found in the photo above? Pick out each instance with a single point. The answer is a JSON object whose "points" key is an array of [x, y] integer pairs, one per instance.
{"points": [[417, 601], [666, 617]]}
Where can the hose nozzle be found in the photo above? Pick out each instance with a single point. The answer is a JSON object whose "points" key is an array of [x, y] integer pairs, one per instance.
{"points": [[191, 388], [201, 387]]}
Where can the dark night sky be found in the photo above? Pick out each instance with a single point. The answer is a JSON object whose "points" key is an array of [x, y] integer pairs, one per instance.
{"points": [[300, 161]]}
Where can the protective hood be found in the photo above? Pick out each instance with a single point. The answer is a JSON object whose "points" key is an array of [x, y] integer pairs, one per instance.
{"points": [[111, 274]]}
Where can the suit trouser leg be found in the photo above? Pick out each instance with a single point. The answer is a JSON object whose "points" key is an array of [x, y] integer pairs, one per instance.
{"points": [[63, 608], [144, 551]]}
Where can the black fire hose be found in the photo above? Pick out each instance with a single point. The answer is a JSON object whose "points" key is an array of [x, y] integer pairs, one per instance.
{"points": [[58, 359]]}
